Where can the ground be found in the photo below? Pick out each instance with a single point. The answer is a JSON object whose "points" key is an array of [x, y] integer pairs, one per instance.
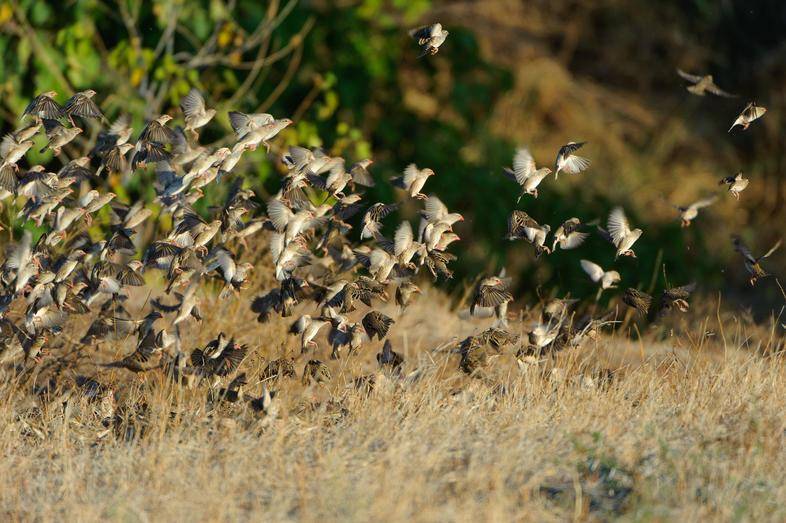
{"points": [[685, 424]]}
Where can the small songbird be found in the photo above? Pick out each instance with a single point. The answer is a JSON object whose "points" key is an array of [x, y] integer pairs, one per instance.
{"points": [[568, 236], [525, 173], [44, 106], [404, 293], [492, 292], [413, 180], [752, 263], [620, 233], [607, 279], [429, 38], [194, 111], [390, 358], [703, 84], [689, 213], [58, 135], [82, 105], [749, 114], [376, 324], [316, 371], [522, 226], [736, 183], [569, 162]]}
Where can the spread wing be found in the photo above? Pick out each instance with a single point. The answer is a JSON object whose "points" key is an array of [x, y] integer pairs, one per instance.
{"points": [[434, 209], [593, 270], [573, 240], [689, 77], [618, 225], [772, 250], [523, 165], [193, 103], [706, 202], [402, 240], [279, 214]]}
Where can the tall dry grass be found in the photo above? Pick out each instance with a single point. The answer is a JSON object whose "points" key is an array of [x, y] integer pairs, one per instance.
{"points": [[685, 424]]}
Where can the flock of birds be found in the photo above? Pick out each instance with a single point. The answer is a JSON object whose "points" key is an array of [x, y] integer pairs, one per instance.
{"points": [[342, 270]]}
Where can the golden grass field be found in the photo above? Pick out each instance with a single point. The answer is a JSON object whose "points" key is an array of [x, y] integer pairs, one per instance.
{"points": [[688, 425]]}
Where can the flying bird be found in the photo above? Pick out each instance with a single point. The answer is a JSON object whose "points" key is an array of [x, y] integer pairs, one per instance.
{"points": [[748, 115], [736, 183], [753, 263], [690, 212], [703, 84], [525, 173], [429, 38], [620, 234], [569, 162]]}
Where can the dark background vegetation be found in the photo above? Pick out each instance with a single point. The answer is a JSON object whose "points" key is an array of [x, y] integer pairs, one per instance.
{"points": [[537, 73]]}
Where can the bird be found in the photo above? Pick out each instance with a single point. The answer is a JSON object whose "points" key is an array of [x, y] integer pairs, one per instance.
{"points": [[429, 38], [620, 234], [413, 180], [492, 292], [82, 105], [703, 84], [736, 183], [522, 226], [376, 324], [44, 106], [748, 115], [390, 358], [404, 293], [243, 123], [373, 218], [670, 299], [308, 328], [525, 173], [607, 279], [316, 371], [58, 135], [753, 263], [567, 235], [689, 213], [569, 162], [195, 113]]}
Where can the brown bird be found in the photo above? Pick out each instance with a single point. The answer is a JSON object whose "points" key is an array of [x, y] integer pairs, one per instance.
{"points": [[492, 292], [703, 84], [752, 263], [749, 114], [376, 323], [389, 358], [316, 371]]}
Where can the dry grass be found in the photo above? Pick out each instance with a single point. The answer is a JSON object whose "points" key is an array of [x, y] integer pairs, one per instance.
{"points": [[687, 428]]}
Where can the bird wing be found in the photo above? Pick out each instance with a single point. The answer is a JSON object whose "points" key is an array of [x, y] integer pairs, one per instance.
{"points": [[754, 111], [676, 293], [772, 250], [193, 103], [434, 209], [573, 240], [689, 77], [424, 31], [83, 106], [618, 225], [706, 202], [20, 254], [411, 173], [280, 215], [575, 164], [402, 238], [593, 270], [714, 89], [523, 165], [743, 249], [493, 296]]}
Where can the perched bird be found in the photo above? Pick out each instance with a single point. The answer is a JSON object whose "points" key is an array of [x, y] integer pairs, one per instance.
{"points": [[429, 38], [749, 114], [413, 180], [568, 235], [620, 234], [689, 213], [569, 162], [753, 263], [194, 111], [607, 279], [702, 84], [492, 292], [82, 105], [736, 183], [525, 173]]}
